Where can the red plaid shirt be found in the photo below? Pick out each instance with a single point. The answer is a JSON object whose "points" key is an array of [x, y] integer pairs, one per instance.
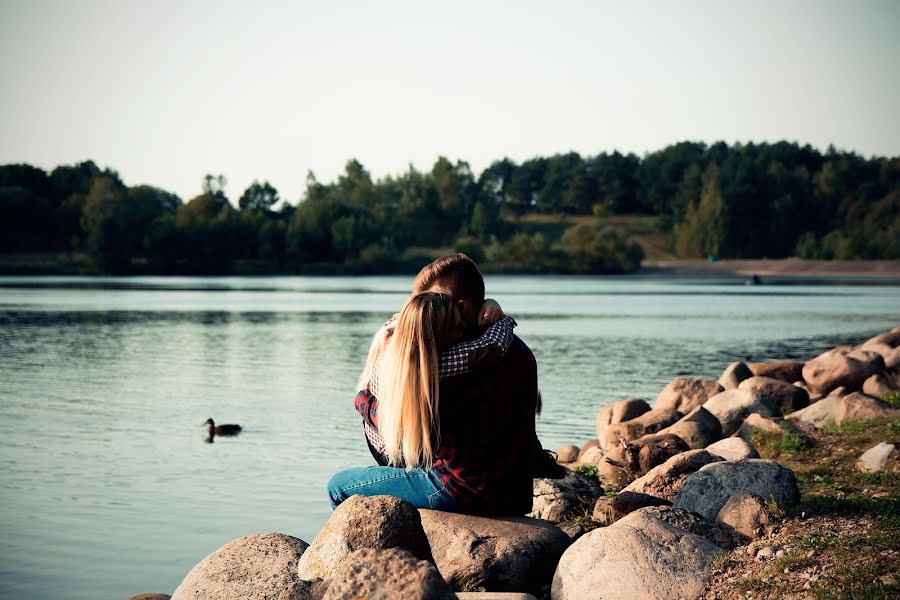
{"points": [[487, 433]]}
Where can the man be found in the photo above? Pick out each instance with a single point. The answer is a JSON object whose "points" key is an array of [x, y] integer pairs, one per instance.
{"points": [[488, 451]]}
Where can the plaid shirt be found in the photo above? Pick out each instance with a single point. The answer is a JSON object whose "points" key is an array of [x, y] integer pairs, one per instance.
{"points": [[487, 433], [489, 348]]}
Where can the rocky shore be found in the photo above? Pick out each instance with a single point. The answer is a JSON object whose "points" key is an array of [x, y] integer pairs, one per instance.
{"points": [[778, 480]]}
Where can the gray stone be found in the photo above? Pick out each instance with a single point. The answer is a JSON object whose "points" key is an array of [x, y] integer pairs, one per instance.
{"points": [[255, 567], [389, 574], [876, 458], [733, 448], [503, 554], [720, 535], [640, 556], [861, 407], [623, 410], [817, 415], [785, 370], [684, 394], [706, 491], [559, 499], [731, 407], [734, 374], [748, 515], [363, 522], [665, 480], [698, 429], [788, 396]]}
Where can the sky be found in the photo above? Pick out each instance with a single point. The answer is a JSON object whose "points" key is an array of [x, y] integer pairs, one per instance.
{"points": [[167, 91]]}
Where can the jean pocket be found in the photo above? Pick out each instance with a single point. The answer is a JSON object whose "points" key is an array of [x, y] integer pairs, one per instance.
{"points": [[440, 500]]}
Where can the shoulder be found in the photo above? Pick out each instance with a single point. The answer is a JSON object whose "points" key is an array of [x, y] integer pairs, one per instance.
{"points": [[519, 352]]}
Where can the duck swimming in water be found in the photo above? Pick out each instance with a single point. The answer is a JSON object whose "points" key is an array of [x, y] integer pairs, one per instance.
{"points": [[214, 429]]}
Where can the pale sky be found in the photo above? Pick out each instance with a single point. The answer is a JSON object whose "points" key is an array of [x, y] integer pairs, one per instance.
{"points": [[167, 91]]}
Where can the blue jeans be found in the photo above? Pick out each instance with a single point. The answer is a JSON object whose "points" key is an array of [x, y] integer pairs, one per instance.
{"points": [[419, 487]]}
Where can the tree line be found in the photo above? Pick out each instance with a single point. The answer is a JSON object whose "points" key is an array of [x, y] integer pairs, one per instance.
{"points": [[729, 201]]}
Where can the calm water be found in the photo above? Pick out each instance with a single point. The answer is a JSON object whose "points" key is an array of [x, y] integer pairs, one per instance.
{"points": [[107, 488]]}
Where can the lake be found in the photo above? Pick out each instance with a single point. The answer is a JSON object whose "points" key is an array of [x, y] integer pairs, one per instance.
{"points": [[108, 488]]}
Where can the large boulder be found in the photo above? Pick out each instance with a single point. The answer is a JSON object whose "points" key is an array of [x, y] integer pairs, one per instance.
{"points": [[559, 499], [733, 448], [785, 370], [614, 474], [363, 522], [817, 415], [756, 422], [731, 407], [835, 368], [721, 536], [787, 395], [648, 423], [389, 573], [592, 456], [610, 509], [623, 410], [567, 454], [734, 374], [500, 554], [587, 446], [641, 556], [699, 428], [892, 359], [706, 491], [888, 338], [641, 455], [256, 567], [861, 407], [665, 480], [684, 394]]}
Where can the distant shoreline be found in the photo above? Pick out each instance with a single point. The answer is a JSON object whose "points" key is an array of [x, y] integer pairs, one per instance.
{"points": [[780, 269]]}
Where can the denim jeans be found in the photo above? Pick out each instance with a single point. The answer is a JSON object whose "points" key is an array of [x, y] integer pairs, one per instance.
{"points": [[419, 487]]}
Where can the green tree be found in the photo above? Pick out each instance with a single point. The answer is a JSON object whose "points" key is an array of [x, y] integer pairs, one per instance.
{"points": [[594, 248], [259, 197], [702, 232]]}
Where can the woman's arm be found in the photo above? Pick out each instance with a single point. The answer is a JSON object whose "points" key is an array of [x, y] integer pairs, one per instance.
{"points": [[488, 349]]}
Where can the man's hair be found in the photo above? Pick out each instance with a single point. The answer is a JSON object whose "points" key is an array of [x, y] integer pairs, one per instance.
{"points": [[457, 274]]}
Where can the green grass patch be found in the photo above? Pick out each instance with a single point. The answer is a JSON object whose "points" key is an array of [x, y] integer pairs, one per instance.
{"points": [[845, 427], [772, 444], [587, 471], [892, 398]]}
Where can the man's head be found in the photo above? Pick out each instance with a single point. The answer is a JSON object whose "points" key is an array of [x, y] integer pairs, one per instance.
{"points": [[458, 275]]}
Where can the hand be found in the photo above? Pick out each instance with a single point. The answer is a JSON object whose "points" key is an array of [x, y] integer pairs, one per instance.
{"points": [[490, 312]]}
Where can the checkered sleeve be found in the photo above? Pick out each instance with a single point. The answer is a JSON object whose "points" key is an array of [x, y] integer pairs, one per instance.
{"points": [[462, 358]]}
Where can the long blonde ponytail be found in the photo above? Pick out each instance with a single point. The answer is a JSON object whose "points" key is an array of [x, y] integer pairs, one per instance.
{"points": [[409, 401]]}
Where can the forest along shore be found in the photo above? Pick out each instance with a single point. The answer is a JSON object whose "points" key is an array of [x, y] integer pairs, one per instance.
{"points": [[779, 479], [790, 268]]}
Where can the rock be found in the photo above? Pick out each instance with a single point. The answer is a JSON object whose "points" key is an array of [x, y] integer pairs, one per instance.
{"points": [[614, 474], [766, 552], [731, 407], [888, 338], [649, 422], [503, 554], [592, 456], [150, 596], [494, 596], [838, 392], [684, 394], [558, 499], [834, 369], [876, 458], [587, 446], [623, 410], [665, 480], [860, 407], [610, 509], [255, 567], [817, 415], [720, 535], [640, 556], [748, 515], [788, 396], [706, 491], [639, 456], [574, 529], [387, 573], [363, 522], [785, 370], [733, 448], [892, 360], [567, 454], [755, 421], [878, 385], [698, 429], [734, 374]]}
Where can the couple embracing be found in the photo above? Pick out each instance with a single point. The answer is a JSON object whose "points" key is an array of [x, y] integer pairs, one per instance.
{"points": [[448, 399]]}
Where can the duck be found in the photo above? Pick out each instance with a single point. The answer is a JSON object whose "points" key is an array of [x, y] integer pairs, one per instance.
{"points": [[214, 429]]}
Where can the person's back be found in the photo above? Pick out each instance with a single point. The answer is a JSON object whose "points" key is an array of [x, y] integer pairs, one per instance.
{"points": [[488, 434]]}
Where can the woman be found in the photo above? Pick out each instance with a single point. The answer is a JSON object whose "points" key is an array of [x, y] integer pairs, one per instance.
{"points": [[400, 399]]}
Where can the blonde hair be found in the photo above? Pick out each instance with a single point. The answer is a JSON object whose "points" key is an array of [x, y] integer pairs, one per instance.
{"points": [[409, 377]]}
